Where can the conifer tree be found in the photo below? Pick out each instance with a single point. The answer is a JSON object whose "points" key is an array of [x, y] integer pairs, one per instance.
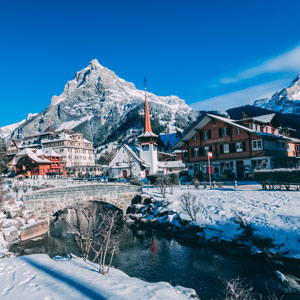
{"points": [[3, 155]]}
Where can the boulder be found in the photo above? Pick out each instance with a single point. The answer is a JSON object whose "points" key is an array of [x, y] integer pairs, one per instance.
{"points": [[147, 200], [34, 230], [10, 223], [136, 200], [11, 235], [289, 284]]}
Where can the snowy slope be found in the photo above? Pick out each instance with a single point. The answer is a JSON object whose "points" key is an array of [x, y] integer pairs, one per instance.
{"points": [[38, 277], [271, 214], [285, 101], [6, 131], [105, 107]]}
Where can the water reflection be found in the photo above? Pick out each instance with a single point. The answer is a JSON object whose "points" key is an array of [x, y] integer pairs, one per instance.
{"points": [[154, 258]]}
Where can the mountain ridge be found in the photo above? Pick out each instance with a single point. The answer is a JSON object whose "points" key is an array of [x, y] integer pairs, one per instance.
{"points": [[97, 103], [285, 101]]}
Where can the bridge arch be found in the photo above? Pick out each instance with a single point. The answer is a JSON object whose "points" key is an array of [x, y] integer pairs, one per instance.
{"points": [[46, 202]]}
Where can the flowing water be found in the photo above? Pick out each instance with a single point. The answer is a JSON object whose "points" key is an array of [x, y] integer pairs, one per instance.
{"points": [[151, 257]]}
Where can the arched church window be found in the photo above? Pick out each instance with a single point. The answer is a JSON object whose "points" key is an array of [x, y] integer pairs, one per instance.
{"points": [[145, 147]]}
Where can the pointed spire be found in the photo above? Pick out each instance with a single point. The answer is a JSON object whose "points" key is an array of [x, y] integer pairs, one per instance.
{"points": [[147, 116], [147, 129]]}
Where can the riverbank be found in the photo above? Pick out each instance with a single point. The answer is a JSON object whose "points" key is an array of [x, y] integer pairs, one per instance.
{"points": [[256, 220], [40, 277]]}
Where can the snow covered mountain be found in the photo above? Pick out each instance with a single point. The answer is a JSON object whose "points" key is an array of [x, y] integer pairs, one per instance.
{"points": [[107, 108], [285, 101], [6, 131]]}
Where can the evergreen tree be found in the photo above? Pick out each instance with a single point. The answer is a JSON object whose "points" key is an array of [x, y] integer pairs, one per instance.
{"points": [[244, 115], [3, 155]]}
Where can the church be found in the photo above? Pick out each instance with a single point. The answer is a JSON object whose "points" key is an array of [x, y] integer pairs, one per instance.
{"points": [[143, 160]]}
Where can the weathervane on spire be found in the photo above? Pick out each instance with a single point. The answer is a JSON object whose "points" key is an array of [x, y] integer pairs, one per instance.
{"points": [[145, 83]]}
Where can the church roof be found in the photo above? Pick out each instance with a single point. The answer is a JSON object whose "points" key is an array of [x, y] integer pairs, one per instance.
{"points": [[147, 129]]}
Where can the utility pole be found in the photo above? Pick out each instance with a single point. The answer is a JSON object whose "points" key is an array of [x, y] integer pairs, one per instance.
{"points": [[209, 156]]}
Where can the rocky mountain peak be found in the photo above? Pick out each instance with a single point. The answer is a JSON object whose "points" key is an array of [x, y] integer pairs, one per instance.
{"points": [[285, 101], [104, 107]]}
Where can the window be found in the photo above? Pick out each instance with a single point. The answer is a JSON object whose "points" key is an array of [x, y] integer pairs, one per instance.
{"points": [[257, 145], [154, 147], [280, 145], [239, 147], [225, 131], [195, 138], [226, 148], [260, 164], [145, 147], [196, 151], [206, 135], [206, 150], [238, 130]]}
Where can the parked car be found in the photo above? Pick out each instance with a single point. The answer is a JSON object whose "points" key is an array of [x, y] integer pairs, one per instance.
{"points": [[185, 180]]}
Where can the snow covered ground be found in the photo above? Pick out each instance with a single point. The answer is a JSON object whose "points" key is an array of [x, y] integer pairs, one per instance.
{"points": [[271, 214], [40, 277]]}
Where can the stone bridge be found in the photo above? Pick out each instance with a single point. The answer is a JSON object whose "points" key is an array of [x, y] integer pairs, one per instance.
{"points": [[47, 202]]}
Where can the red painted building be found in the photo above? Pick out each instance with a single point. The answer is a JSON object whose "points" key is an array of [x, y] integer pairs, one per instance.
{"points": [[238, 146], [38, 162]]}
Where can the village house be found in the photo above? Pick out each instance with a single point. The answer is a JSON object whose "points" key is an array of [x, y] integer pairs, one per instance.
{"points": [[238, 147], [127, 163], [77, 150], [38, 163]]}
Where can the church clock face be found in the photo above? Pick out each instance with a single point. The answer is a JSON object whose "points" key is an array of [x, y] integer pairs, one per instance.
{"points": [[145, 147]]}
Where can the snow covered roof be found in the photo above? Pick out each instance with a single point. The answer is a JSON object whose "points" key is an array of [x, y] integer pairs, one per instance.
{"points": [[51, 152], [147, 134], [171, 164], [34, 154], [204, 121], [265, 119], [134, 155]]}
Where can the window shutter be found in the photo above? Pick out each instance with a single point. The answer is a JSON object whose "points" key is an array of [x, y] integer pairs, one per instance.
{"points": [[192, 152], [221, 149], [232, 148], [244, 146], [229, 131], [201, 151], [209, 134], [201, 134], [220, 132]]}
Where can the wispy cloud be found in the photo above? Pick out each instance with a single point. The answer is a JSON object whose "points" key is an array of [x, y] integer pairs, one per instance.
{"points": [[287, 62], [241, 97]]}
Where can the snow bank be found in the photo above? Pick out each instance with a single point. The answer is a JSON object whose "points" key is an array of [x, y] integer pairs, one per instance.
{"points": [[40, 277], [271, 214]]}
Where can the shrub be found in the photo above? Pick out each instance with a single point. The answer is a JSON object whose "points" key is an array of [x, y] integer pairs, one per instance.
{"points": [[136, 181], [196, 184], [278, 176]]}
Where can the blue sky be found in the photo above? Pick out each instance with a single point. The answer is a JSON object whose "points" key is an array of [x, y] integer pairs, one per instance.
{"points": [[213, 54]]}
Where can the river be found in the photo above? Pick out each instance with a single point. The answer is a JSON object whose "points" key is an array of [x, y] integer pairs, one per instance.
{"points": [[152, 257]]}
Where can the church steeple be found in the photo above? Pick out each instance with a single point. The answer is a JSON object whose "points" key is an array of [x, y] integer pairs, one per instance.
{"points": [[147, 135], [147, 116], [148, 141]]}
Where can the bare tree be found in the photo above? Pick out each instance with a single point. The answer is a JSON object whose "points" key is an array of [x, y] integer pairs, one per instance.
{"points": [[162, 182], [236, 289], [94, 232], [189, 204], [1, 190], [16, 188]]}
